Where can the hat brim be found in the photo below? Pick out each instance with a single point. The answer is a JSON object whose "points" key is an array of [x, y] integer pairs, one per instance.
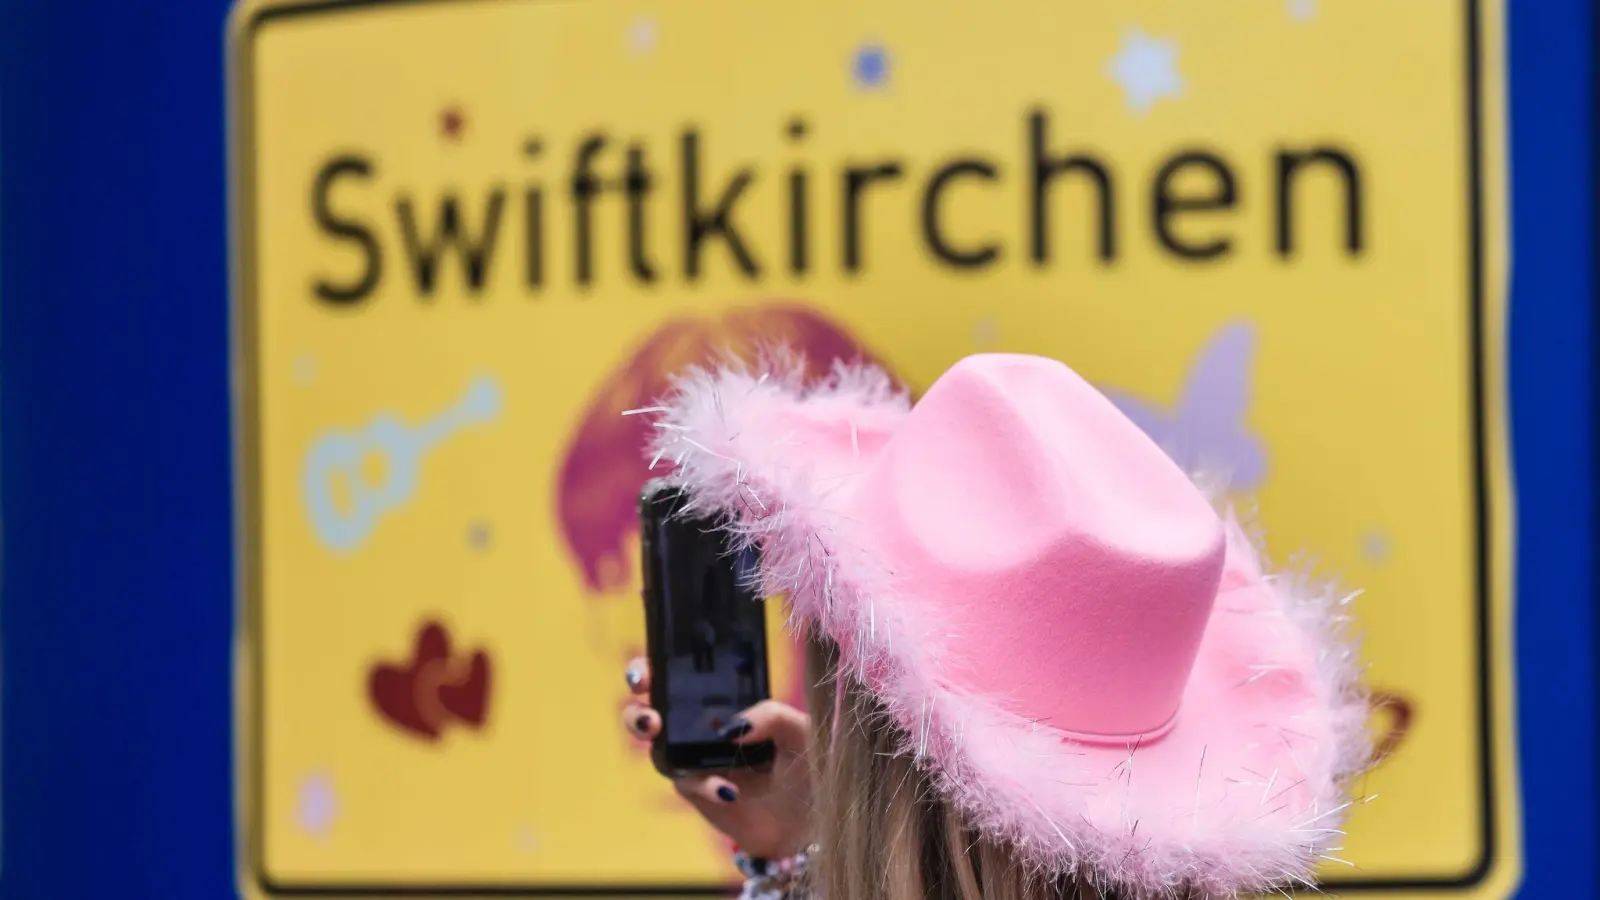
{"points": [[1246, 792]]}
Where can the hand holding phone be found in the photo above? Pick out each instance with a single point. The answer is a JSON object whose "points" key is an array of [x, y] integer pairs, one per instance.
{"points": [[766, 811], [706, 635]]}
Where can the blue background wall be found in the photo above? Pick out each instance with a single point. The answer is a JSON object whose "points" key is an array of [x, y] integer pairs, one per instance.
{"points": [[116, 617]]}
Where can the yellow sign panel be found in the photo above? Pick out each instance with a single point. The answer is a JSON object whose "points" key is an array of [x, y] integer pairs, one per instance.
{"points": [[470, 234]]}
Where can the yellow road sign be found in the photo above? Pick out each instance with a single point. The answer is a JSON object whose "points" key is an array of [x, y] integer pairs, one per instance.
{"points": [[469, 234]]}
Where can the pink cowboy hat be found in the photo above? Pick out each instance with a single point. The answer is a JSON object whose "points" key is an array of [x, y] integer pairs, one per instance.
{"points": [[1085, 654]]}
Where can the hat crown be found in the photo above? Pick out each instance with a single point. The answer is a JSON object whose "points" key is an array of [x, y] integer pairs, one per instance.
{"points": [[1074, 564]]}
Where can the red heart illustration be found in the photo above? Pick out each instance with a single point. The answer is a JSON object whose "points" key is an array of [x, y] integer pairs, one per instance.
{"points": [[420, 695], [392, 690], [433, 642], [468, 698]]}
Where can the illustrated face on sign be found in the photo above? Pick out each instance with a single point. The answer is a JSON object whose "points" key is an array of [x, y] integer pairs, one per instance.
{"points": [[604, 470]]}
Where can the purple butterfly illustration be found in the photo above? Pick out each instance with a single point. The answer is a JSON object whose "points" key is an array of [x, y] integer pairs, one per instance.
{"points": [[1206, 431]]}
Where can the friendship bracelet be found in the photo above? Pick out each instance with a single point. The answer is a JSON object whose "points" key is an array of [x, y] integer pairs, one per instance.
{"points": [[772, 877]]}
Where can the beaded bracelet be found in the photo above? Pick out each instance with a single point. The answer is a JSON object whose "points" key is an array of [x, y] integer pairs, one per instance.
{"points": [[773, 877]]}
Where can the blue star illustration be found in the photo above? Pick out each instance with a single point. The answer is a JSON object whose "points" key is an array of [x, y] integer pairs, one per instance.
{"points": [[871, 66], [1147, 69]]}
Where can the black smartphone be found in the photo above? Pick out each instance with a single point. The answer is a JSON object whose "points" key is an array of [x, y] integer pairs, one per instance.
{"points": [[706, 634]]}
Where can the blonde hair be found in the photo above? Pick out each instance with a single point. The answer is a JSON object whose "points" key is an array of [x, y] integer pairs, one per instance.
{"points": [[884, 830]]}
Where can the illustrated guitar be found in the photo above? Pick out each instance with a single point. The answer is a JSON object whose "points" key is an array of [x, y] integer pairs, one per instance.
{"points": [[335, 458]]}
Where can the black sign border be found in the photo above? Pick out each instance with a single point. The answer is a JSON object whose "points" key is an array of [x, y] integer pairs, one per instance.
{"points": [[242, 129]]}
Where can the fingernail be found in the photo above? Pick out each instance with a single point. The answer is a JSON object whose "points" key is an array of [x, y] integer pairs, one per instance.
{"points": [[727, 794], [734, 730], [641, 724], [634, 676]]}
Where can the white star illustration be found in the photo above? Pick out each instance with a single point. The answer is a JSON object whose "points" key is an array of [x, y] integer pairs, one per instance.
{"points": [[318, 804], [642, 35], [1147, 69], [1303, 10]]}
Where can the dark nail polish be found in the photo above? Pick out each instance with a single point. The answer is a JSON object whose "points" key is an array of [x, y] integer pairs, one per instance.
{"points": [[734, 730], [634, 676], [727, 794], [642, 724]]}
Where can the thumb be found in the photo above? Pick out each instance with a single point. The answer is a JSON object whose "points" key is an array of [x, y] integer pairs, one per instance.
{"points": [[771, 720]]}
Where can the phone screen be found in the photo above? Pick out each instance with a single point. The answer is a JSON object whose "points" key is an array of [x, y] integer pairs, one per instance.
{"points": [[708, 644]]}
